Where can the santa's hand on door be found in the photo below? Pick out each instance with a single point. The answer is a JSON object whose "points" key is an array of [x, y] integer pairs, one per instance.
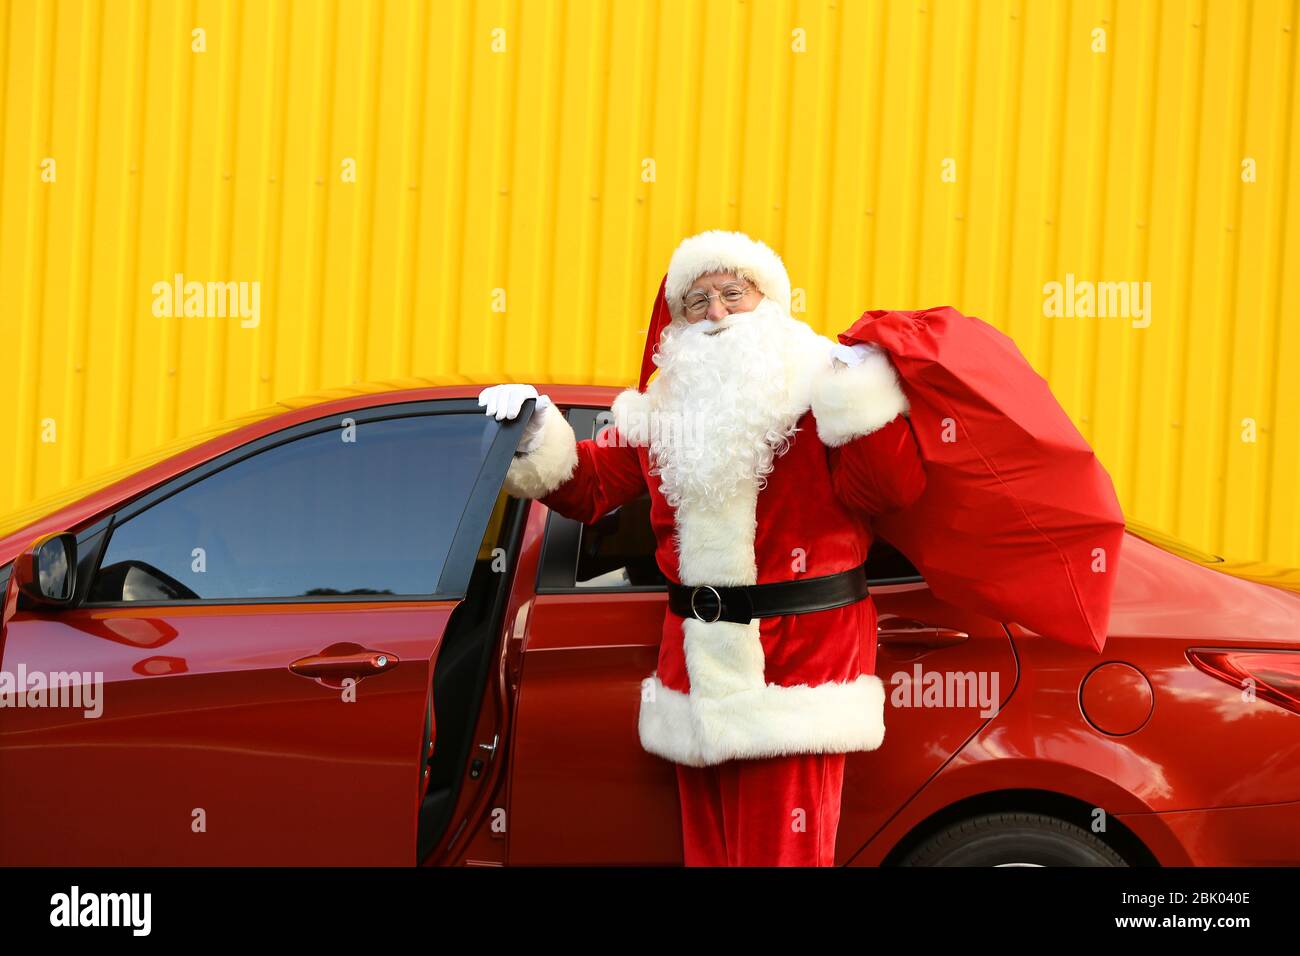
{"points": [[504, 401]]}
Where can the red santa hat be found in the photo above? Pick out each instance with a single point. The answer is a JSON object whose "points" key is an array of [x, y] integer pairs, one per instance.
{"points": [[716, 250]]}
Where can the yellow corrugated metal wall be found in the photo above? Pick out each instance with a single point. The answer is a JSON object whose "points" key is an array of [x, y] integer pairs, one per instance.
{"points": [[490, 191]]}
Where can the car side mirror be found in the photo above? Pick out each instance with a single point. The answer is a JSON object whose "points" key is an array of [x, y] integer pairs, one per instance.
{"points": [[47, 571]]}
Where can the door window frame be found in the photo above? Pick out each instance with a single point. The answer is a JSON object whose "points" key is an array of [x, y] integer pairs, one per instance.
{"points": [[453, 582]]}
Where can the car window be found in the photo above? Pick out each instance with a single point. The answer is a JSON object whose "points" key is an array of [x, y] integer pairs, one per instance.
{"points": [[373, 510], [887, 565], [619, 549]]}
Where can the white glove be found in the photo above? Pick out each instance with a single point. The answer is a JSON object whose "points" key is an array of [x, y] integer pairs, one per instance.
{"points": [[504, 401], [847, 356]]}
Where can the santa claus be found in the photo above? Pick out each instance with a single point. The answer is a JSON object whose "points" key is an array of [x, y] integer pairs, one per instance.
{"points": [[766, 449]]}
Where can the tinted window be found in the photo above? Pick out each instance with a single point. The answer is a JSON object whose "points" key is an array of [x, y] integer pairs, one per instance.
{"points": [[886, 564], [619, 549], [315, 516]]}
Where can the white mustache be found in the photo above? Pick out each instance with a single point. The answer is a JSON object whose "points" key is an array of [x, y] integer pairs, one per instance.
{"points": [[709, 326], [706, 326]]}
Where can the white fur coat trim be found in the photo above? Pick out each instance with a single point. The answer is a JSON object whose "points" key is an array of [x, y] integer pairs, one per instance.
{"points": [[631, 410], [766, 721], [719, 250], [855, 401], [547, 466]]}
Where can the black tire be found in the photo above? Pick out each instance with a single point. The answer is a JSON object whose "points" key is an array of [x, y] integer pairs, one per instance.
{"points": [[1001, 839]]}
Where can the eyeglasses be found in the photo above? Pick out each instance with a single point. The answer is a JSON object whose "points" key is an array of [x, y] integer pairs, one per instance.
{"points": [[698, 303]]}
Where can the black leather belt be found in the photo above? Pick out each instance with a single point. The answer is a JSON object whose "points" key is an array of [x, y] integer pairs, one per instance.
{"points": [[741, 604]]}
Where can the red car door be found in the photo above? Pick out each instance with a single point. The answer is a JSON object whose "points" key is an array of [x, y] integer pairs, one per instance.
{"points": [[582, 791], [256, 641]]}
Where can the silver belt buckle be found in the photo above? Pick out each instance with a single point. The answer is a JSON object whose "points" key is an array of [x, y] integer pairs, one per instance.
{"points": [[694, 611]]}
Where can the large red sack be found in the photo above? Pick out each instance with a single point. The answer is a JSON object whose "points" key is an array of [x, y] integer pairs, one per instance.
{"points": [[1019, 520]]}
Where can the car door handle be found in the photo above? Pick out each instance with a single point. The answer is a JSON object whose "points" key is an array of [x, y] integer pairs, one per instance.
{"points": [[907, 632], [344, 660]]}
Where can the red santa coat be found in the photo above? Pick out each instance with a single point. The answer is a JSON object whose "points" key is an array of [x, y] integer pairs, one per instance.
{"points": [[798, 683]]}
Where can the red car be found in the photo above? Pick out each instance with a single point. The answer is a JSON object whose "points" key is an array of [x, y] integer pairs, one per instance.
{"points": [[328, 637]]}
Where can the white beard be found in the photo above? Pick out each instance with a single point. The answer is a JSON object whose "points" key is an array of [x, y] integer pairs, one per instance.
{"points": [[724, 406]]}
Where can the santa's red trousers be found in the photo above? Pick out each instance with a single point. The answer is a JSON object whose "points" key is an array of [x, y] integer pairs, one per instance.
{"points": [[772, 811]]}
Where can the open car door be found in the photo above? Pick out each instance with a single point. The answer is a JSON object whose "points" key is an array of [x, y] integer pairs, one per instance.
{"points": [[254, 643]]}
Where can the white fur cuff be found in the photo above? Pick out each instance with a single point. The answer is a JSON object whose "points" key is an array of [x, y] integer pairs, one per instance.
{"points": [[547, 466], [632, 416], [855, 401]]}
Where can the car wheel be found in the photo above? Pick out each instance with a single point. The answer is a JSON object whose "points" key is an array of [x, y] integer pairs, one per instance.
{"points": [[1013, 839]]}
